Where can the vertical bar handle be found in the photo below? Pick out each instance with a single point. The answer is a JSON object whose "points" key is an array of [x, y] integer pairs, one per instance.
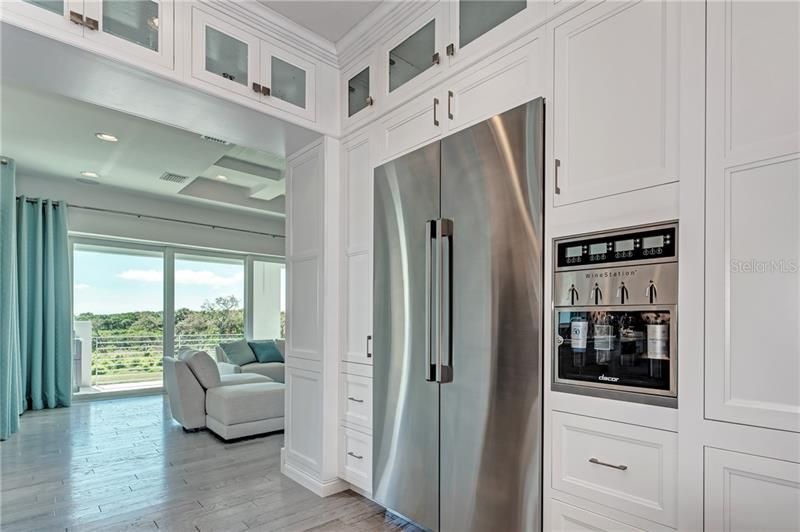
{"points": [[444, 337], [555, 180], [435, 108], [450, 105], [369, 341], [430, 238]]}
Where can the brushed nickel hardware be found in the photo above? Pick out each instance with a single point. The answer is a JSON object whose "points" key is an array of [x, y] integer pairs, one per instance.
{"points": [[435, 107], [369, 351], [266, 91], [451, 49], [370, 101], [354, 455], [605, 464], [435, 58], [355, 400], [558, 165], [450, 105], [92, 24], [256, 87], [76, 17], [430, 235], [228, 76]]}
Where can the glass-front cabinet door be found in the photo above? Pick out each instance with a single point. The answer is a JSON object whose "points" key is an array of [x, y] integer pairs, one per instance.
{"points": [[358, 82], [414, 55], [142, 28], [358, 96], [63, 15], [472, 19], [287, 81], [225, 56]]}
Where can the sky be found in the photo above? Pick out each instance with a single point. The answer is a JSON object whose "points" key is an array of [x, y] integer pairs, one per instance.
{"points": [[107, 283]]}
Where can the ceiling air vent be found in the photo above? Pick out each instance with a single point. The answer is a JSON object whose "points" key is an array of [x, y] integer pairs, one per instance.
{"points": [[173, 178], [214, 139]]}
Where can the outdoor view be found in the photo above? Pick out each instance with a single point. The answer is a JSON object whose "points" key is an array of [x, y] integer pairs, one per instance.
{"points": [[119, 306]]}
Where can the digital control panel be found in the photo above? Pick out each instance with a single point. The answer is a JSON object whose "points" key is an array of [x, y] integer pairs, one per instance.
{"points": [[642, 244]]}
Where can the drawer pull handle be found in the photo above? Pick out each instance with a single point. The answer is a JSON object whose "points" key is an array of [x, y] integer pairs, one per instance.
{"points": [[354, 455], [355, 400], [598, 462]]}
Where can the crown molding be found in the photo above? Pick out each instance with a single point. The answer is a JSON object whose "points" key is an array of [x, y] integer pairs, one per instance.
{"points": [[272, 25], [384, 20]]}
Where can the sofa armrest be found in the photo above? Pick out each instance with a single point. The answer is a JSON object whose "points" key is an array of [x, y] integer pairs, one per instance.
{"points": [[226, 368]]}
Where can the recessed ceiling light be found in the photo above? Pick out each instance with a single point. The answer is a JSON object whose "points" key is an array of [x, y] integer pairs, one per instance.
{"points": [[108, 137], [222, 177], [87, 173]]}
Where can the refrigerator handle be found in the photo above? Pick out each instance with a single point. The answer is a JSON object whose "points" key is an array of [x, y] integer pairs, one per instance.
{"points": [[430, 240], [444, 339]]}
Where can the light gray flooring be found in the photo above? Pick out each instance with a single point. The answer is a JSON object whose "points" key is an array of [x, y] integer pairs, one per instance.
{"points": [[123, 464]]}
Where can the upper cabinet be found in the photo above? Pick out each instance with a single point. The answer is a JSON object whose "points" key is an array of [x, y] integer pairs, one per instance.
{"points": [[360, 82], [752, 215], [233, 59], [142, 31], [616, 93]]}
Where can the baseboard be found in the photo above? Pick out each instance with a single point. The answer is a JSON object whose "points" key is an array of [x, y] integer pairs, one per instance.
{"points": [[316, 486]]}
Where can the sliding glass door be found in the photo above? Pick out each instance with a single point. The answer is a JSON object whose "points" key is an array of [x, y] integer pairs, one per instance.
{"points": [[209, 301], [118, 295]]}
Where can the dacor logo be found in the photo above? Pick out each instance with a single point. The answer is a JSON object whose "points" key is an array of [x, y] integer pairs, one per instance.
{"points": [[608, 379]]}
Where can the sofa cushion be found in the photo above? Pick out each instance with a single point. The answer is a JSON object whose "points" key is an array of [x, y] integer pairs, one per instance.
{"points": [[280, 343], [184, 352], [266, 351], [273, 370], [242, 378], [204, 368], [238, 352], [244, 403]]}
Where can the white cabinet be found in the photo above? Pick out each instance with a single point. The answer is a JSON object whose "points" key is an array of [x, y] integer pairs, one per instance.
{"points": [[141, 32], [356, 401], [752, 214], [228, 57], [415, 124], [567, 518], [616, 94], [626, 467], [356, 459], [745, 492], [360, 82]]}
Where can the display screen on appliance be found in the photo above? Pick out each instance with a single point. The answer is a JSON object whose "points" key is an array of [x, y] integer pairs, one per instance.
{"points": [[596, 249], [574, 251], [623, 245], [653, 241]]}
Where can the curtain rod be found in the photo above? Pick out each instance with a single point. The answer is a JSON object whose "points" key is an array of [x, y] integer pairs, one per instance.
{"points": [[162, 218]]}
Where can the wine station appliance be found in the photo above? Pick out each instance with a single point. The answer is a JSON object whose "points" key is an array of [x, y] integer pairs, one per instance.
{"points": [[615, 302]]}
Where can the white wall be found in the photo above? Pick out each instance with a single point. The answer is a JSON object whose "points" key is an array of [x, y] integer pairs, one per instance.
{"points": [[123, 226], [266, 300]]}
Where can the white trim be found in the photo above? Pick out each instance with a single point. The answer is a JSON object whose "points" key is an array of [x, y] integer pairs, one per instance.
{"points": [[322, 489]]}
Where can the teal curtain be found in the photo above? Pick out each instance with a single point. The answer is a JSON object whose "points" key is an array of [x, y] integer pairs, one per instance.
{"points": [[11, 396], [45, 307]]}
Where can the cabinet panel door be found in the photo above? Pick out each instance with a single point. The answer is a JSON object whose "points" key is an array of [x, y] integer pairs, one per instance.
{"points": [[416, 123], [616, 95], [359, 87], [142, 29], [356, 459], [745, 492], [290, 80], [223, 55], [753, 220], [358, 267], [568, 518], [495, 86], [303, 419], [40, 14]]}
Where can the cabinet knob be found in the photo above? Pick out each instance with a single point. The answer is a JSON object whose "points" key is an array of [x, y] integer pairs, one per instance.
{"points": [[256, 87], [435, 58], [76, 18], [92, 24], [451, 49], [370, 101], [265, 91]]}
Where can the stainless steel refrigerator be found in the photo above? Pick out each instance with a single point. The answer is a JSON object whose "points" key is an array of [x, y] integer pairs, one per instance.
{"points": [[457, 328]]}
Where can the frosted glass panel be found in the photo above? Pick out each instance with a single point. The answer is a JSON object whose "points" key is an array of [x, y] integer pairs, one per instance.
{"points": [[413, 56], [476, 17], [358, 92], [56, 6], [226, 56], [134, 21], [288, 82]]}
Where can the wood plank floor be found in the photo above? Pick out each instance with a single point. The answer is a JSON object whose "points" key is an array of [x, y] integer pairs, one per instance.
{"points": [[123, 464]]}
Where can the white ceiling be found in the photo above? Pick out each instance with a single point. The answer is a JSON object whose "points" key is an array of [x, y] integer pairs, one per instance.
{"points": [[330, 19], [54, 136]]}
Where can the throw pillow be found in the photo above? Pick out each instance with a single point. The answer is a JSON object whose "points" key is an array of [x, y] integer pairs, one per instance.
{"points": [[238, 352], [280, 343], [204, 369], [266, 351]]}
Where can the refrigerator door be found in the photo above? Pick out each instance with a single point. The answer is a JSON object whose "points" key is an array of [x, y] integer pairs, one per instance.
{"points": [[405, 403], [491, 412]]}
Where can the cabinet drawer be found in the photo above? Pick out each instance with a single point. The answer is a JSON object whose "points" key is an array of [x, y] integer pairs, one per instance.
{"points": [[357, 401], [627, 467], [356, 459], [568, 518]]}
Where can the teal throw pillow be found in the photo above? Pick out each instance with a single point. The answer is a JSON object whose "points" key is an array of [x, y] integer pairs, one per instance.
{"points": [[266, 351]]}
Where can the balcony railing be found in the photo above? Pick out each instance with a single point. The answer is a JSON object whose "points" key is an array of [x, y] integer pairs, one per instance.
{"points": [[129, 359]]}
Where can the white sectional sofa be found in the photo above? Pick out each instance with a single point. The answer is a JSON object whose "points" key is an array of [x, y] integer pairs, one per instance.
{"points": [[205, 393]]}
